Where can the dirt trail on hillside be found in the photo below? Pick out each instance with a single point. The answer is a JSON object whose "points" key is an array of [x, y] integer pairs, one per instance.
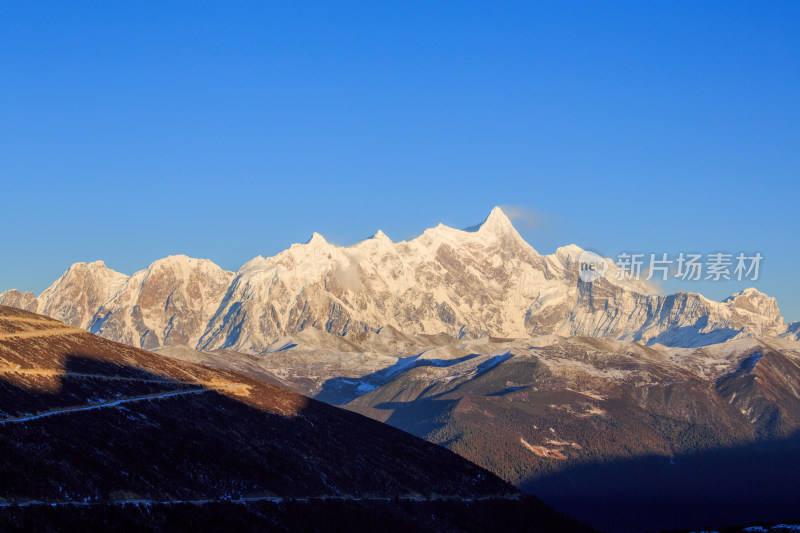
{"points": [[29, 320], [112, 403], [42, 333]]}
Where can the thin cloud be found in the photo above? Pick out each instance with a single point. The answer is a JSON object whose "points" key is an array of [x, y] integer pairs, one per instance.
{"points": [[526, 219]]}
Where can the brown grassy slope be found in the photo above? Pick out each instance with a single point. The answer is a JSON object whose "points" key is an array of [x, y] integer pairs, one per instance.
{"points": [[231, 436]]}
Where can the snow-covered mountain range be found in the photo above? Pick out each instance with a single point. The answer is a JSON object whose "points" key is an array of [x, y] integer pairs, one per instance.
{"points": [[485, 280]]}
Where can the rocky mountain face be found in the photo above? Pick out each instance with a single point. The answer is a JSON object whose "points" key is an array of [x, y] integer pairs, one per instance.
{"points": [[485, 280], [586, 424]]}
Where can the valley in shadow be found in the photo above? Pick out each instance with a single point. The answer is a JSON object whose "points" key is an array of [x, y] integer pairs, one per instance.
{"points": [[714, 488]]}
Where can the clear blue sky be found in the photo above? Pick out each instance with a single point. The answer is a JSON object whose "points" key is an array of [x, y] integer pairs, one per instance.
{"points": [[130, 131]]}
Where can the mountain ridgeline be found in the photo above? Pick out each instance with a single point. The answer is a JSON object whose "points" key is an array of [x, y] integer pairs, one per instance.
{"points": [[485, 280]]}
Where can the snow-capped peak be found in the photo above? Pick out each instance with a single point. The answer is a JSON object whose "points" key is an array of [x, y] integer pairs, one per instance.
{"points": [[381, 236], [750, 291], [497, 222], [755, 301], [316, 239]]}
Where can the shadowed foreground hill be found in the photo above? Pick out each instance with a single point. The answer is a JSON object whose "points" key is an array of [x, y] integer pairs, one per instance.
{"points": [[88, 425]]}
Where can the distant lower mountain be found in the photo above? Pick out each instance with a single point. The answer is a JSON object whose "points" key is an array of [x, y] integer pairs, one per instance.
{"points": [[96, 432], [482, 281], [624, 436], [793, 331]]}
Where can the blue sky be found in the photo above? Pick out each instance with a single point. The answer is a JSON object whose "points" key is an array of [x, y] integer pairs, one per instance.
{"points": [[130, 131]]}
